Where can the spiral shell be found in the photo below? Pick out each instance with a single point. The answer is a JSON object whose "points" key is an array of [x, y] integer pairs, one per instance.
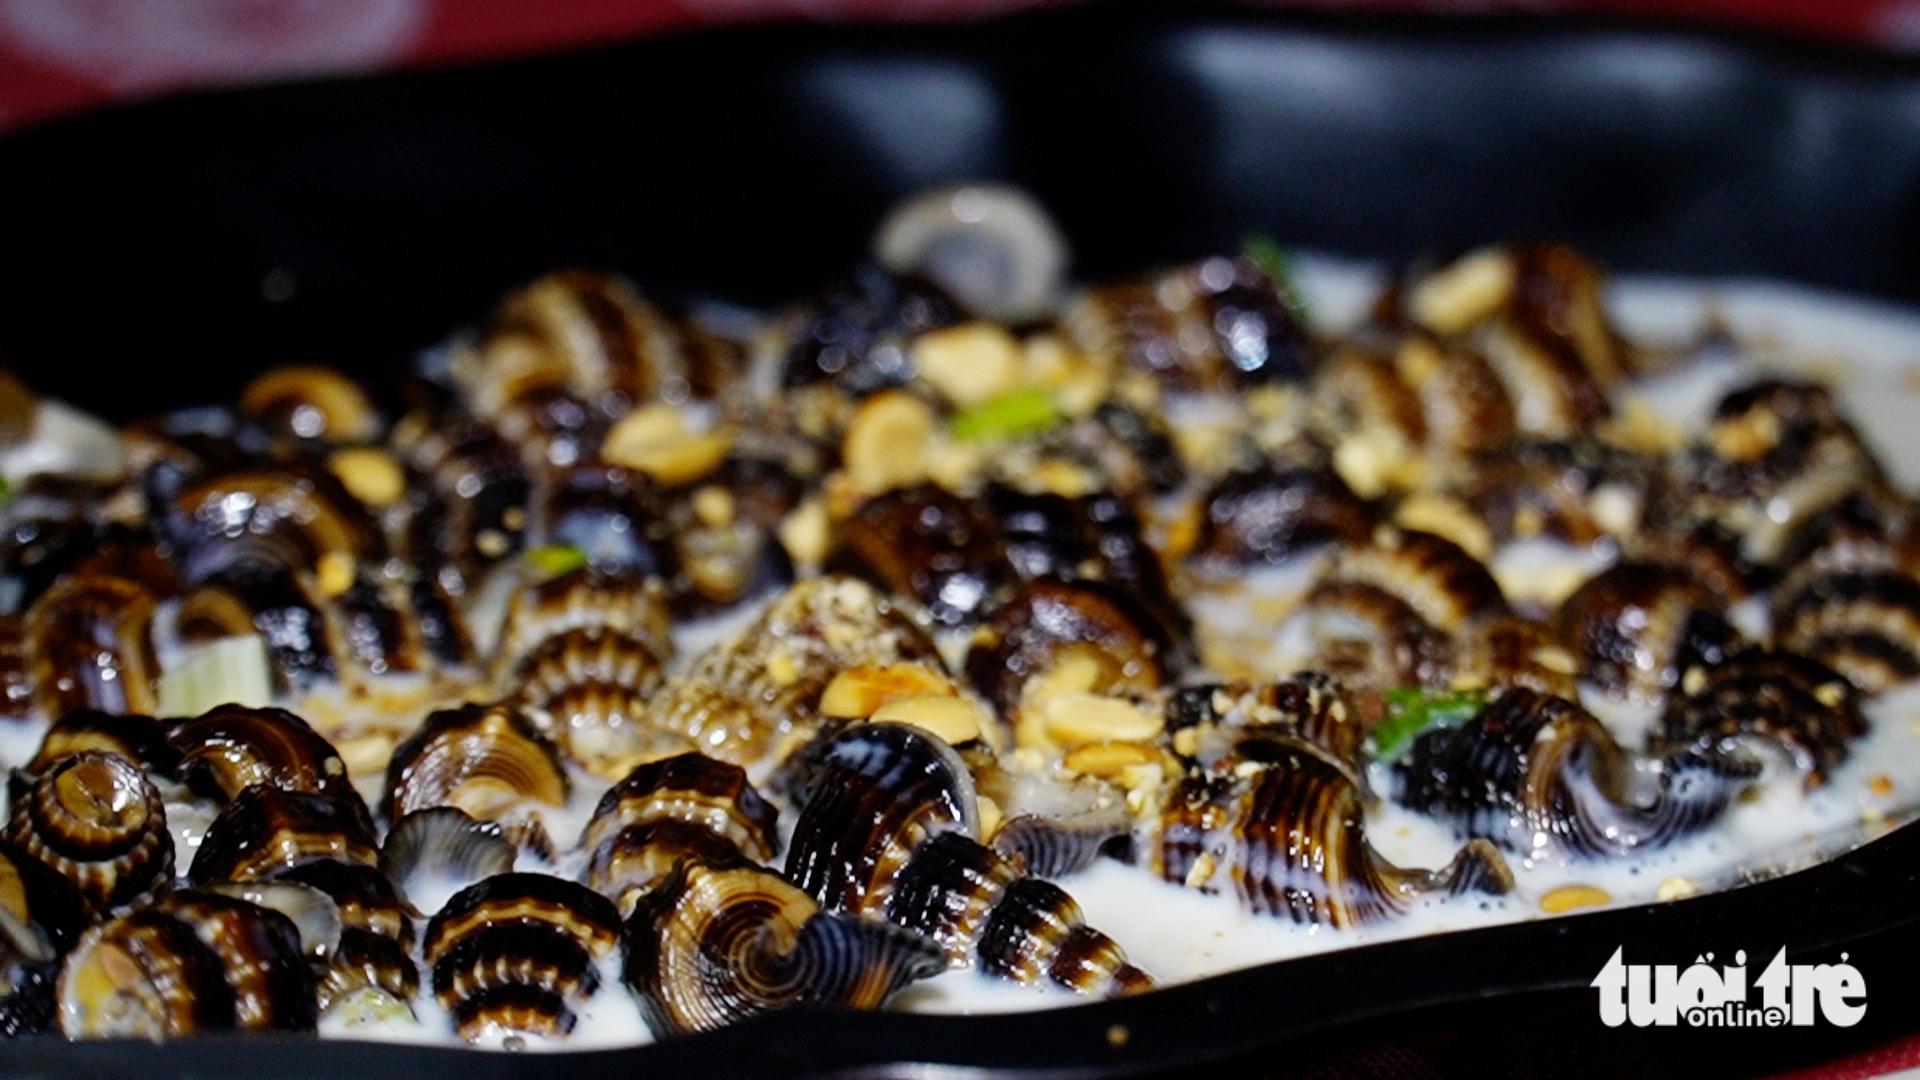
{"points": [[716, 943], [266, 831], [737, 698], [587, 691], [654, 815], [978, 906], [441, 848], [1216, 324], [233, 747], [1633, 628], [1576, 491], [1049, 620], [1775, 702], [485, 760], [856, 337], [41, 916], [878, 792], [191, 962], [1266, 515], [96, 819], [519, 953], [374, 954], [613, 516], [590, 601], [1532, 772], [588, 334], [140, 739], [88, 638], [925, 543]]}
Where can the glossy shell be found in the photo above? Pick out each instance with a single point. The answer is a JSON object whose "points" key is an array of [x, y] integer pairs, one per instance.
{"points": [[99, 822], [190, 963], [484, 760]]}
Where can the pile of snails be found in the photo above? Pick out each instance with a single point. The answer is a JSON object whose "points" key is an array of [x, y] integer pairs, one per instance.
{"points": [[327, 678]]}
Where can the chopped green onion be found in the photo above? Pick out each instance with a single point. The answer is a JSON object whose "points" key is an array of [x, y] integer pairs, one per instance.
{"points": [[1009, 416], [1278, 263], [229, 669], [555, 559], [1413, 711]]}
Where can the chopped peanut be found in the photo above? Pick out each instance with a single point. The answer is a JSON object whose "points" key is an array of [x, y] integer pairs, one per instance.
{"points": [[969, 364], [858, 692], [888, 442], [370, 475], [1464, 293], [1568, 897], [955, 719]]}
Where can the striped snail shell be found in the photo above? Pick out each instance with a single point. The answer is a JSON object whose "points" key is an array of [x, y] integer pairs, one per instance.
{"points": [[520, 953], [716, 943], [96, 819], [190, 962]]}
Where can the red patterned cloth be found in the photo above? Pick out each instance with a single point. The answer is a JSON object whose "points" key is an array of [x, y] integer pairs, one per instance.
{"points": [[64, 56]]}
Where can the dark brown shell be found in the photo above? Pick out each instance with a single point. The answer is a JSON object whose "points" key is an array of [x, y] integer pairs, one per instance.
{"points": [[714, 944], [88, 637], [1046, 619], [311, 403], [1500, 651], [482, 759], [929, 544], [140, 739], [191, 962], [1289, 839], [583, 600], [1534, 487], [1266, 515], [368, 961], [16, 669], [613, 516], [978, 907], [1443, 584], [1797, 705], [586, 333], [877, 792], [1532, 772], [518, 952], [1212, 325], [1633, 628], [690, 788], [98, 821], [363, 894], [266, 831], [1373, 639], [232, 747]]}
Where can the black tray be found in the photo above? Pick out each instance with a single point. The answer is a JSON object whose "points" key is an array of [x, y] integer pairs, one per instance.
{"points": [[141, 246]]}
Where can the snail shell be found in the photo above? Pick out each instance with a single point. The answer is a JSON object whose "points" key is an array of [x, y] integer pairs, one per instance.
{"points": [[16, 669], [266, 831], [587, 691], [878, 791], [311, 403], [977, 905], [98, 821], [1575, 491], [41, 916], [255, 523], [1633, 627], [190, 962], [1290, 837], [1507, 650], [857, 337], [582, 600], [1863, 623], [374, 951], [1049, 619], [483, 759], [925, 543], [991, 246], [1216, 324], [88, 637], [441, 849], [1265, 515], [738, 697], [232, 747], [690, 788], [1531, 771], [139, 739], [1233, 724], [716, 943], [1758, 699], [588, 334], [614, 517], [519, 953]]}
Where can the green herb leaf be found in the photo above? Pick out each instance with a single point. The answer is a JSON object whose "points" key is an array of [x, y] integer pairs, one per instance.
{"points": [[1413, 711], [1278, 263], [556, 559], [1009, 416]]}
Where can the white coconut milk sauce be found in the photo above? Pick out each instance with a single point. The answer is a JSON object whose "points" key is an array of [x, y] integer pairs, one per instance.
{"points": [[1870, 353]]}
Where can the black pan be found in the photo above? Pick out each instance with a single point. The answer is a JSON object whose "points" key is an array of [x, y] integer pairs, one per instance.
{"points": [[154, 255]]}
